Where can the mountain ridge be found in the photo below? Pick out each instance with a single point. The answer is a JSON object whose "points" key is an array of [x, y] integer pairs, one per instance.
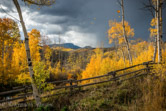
{"points": [[66, 45]]}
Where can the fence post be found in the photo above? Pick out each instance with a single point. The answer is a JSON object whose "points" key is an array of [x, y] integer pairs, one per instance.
{"points": [[147, 66], [113, 73], [71, 88]]}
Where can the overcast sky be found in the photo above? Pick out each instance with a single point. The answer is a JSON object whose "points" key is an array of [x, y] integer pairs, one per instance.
{"points": [[81, 22]]}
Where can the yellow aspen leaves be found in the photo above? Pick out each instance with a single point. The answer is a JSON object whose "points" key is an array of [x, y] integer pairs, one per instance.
{"points": [[34, 43], [115, 32], [20, 56], [152, 29], [9, 35]]}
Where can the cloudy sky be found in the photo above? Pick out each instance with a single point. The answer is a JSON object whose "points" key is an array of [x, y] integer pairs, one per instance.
{"points": [[82, 22]]}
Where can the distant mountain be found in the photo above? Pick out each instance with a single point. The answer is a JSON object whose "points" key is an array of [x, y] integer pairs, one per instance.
{"points": [[65, 45], [87, 47]]}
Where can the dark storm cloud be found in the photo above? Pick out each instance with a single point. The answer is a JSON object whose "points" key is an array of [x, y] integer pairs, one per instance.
{"points": [[63, 13], [71, 8], [82, 14], [88, 17]]}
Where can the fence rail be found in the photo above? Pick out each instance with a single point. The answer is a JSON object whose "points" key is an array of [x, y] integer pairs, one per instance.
{"points": [[22, 91]]}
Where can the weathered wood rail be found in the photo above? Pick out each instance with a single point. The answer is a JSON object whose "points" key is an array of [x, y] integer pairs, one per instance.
{"points": [[22, 92]]}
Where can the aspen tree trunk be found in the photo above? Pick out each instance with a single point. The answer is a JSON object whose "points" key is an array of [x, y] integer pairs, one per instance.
{"points": [[158, 32], [35, 90], [123, 55], [161, 26], [124, 33], [155, 49], [155, 41]]}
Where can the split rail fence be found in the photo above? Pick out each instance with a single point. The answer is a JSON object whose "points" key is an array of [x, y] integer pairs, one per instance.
{"points": [[21, 93]]}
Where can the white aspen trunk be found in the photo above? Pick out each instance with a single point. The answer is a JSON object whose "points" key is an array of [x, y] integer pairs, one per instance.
{"points": [[123, 55], [158, 32], [35, 90], [124, 33], [155, 49], [155, 40]]}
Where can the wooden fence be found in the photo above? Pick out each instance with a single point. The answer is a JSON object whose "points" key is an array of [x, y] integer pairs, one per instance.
{"points": [[21, 93]]}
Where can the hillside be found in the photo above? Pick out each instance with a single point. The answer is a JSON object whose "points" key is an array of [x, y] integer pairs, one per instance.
{"points": [[66, 45]]}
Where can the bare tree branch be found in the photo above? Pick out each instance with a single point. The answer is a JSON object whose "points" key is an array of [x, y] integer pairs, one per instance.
{"points": [[40, 2], [149, 7], [119, 2]]}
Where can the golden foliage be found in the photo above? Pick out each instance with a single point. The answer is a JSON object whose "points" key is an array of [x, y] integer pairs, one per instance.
{"points": [[153, 28], [34, 40], [20, 56], [115, 32], [101, 64], [9, 35], [153, 31]]}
